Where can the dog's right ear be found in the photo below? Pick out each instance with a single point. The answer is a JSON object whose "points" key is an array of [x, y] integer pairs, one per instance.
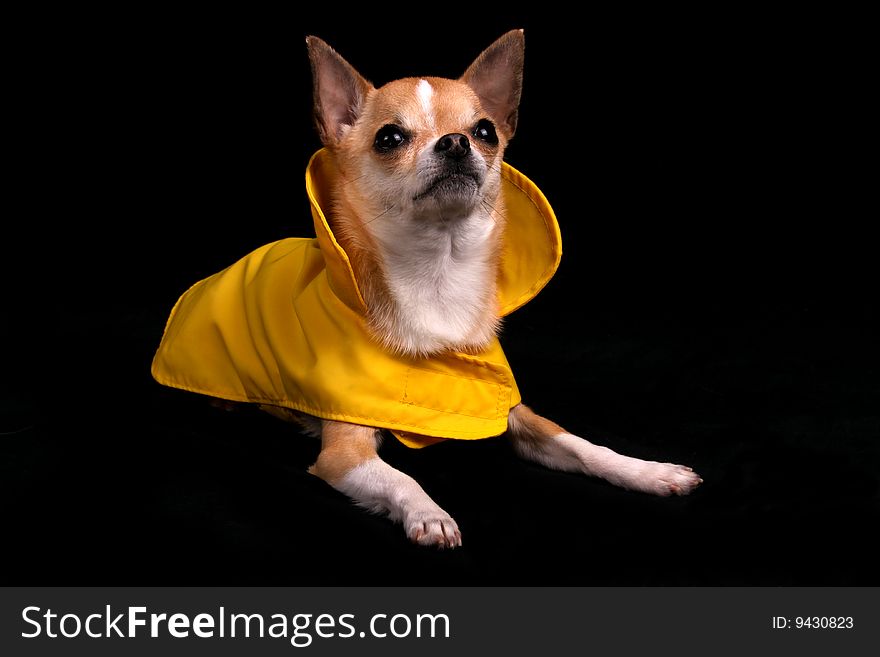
{"points": [[340, 91]]}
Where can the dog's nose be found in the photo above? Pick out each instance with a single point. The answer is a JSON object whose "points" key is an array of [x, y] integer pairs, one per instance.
{"points": [[454, 146]]}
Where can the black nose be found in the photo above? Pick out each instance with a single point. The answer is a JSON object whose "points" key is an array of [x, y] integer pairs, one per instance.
{"points": [[454, 146]]}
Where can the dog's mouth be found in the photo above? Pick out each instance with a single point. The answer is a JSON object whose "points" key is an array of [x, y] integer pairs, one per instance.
{"points": [[454, 185]]}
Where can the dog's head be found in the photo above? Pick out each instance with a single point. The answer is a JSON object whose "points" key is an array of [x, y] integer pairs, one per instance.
{"points": [[419, 149]]}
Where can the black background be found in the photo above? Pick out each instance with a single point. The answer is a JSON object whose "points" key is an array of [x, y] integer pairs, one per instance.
{"points": [[716, 306]]}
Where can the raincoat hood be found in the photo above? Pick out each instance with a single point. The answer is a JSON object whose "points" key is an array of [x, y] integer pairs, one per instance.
{"points": [[286, 326]]}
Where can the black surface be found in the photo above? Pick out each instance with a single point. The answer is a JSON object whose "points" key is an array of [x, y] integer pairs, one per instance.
{"points": [[716, 306]]}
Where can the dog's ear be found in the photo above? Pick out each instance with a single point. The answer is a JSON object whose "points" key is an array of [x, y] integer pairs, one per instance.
{"points": [[339, 91], [496, 77]]}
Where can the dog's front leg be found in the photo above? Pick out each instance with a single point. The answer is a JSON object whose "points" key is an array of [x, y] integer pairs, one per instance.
{"points": [[350, 463], [538, 439]]}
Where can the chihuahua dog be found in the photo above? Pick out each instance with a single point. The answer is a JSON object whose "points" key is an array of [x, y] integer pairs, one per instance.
{"points": [[420, 216], [387, 319]]}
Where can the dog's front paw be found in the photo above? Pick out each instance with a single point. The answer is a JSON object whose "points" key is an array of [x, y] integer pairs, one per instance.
{"points": [[665, 479], [432, 526]]}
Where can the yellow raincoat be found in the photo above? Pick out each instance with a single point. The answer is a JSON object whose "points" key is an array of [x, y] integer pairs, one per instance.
{"points": [[285, 326]]}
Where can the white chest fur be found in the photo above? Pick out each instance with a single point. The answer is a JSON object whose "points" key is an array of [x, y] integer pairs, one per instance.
{"points": [[441, 277]]}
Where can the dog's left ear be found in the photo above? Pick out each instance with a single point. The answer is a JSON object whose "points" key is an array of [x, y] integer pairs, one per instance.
{"points": [[496, 76]]}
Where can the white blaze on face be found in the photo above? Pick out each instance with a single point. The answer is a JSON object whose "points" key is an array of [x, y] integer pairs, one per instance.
{"points": [[425, 93]]}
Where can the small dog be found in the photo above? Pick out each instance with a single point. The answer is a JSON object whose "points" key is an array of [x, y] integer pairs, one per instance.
{"points": [[405, 286]]}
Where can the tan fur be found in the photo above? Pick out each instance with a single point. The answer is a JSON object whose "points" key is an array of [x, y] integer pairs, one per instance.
{"points": [[348, 227], [456, 109], [282, 413], [343, 447], [524, 424]]}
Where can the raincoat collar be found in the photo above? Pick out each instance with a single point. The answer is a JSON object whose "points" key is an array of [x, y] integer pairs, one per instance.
{"points": [[532, 244]]}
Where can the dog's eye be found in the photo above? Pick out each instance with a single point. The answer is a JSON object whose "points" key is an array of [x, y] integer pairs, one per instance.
{"points": [[485, 131], [388, 138]]}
